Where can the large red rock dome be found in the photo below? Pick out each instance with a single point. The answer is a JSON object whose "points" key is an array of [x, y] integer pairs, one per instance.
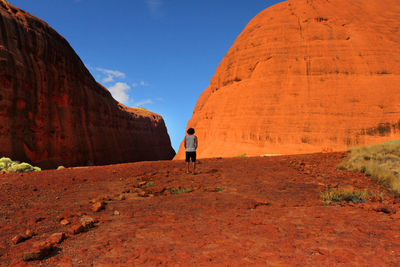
{"points": [[53, 112], [305, 76]]}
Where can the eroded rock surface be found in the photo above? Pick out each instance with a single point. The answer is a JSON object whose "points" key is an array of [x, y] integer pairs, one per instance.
{"points": [[305, 76], [53, 112]]}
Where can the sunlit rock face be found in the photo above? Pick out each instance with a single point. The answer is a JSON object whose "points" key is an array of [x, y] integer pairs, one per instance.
{"points": [[305, 76], [52, 111]]}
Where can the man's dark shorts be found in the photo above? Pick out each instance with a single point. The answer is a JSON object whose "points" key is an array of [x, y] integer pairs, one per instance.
{"points": [[190, 155]]}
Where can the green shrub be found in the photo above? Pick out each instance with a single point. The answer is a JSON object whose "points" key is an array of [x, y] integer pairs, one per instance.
{"points": [[339, 195], [7, 165], [22, 167], [241, 156], [381, 162], [149, 184], [179, 190]]}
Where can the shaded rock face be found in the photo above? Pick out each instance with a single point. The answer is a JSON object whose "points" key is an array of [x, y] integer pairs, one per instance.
{"points": [[305, 76], [52, 111]]}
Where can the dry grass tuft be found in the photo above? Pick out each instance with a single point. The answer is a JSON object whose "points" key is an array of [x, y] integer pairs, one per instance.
{"points": [[381, 162], [339, 195]]}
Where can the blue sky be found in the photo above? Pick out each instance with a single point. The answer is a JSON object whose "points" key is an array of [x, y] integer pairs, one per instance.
{"points": [[157, 54]]}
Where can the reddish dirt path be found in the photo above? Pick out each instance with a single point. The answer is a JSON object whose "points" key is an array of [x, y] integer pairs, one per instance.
{"points": [[269, 213]]}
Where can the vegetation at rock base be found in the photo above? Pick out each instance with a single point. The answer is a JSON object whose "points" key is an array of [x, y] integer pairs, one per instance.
{"points": [[241, 156], [179, 190], [339, 195], [149, 184], [7, 165], [381, 162]]}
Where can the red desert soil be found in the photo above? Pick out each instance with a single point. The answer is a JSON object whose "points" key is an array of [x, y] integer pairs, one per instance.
{"points": [[268, 213]]}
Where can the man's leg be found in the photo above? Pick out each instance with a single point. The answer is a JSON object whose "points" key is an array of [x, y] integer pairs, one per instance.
{"points": [[187, 167], [194, 167]]}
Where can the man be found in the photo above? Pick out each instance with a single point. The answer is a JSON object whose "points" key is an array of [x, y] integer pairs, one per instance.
{"points": [[190, 144]]}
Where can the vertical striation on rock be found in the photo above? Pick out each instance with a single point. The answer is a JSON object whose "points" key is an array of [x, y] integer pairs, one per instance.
{"points": [[305, 76], [53, 112]]}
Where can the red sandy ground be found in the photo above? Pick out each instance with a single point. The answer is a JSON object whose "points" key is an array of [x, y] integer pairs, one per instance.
{"points": [[269, 213]]}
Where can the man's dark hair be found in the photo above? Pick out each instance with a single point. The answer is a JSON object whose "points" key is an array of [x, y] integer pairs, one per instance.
{"points": [[190, 131]]}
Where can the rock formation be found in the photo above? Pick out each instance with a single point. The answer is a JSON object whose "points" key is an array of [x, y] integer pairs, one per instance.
{"points": [[53, 112], [305, 76]]}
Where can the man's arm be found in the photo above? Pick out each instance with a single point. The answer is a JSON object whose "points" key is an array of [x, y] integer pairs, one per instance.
{"points": [[195, 141]]}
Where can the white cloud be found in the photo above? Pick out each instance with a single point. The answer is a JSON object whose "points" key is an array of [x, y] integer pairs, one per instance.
{"points": [[141, 83], [119, 92], [111, 75], [156, 8], [144, 102]]}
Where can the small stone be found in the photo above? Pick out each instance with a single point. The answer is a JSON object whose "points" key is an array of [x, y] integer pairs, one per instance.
{"points": [[142, 183], [76, 229], [121, 197], [107, 198], [385, 209], [87, 222], [18, 239], [64, 222], [116, 213], [29, 233], [38, 252], [39, 219], [56, 238], [98, 206], [142, 194]]}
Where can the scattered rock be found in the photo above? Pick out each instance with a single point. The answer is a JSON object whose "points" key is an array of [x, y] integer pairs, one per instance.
{"points": [[116, 213], [22, 237], [39, 219], [106, 198], [18, 239], [38, 252], [385, 209], [98, 206], [64, 222], [76, 229], [142, 194], [87, 222], [29, 233], [56, 238], [121, 197], [142, 183]]}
